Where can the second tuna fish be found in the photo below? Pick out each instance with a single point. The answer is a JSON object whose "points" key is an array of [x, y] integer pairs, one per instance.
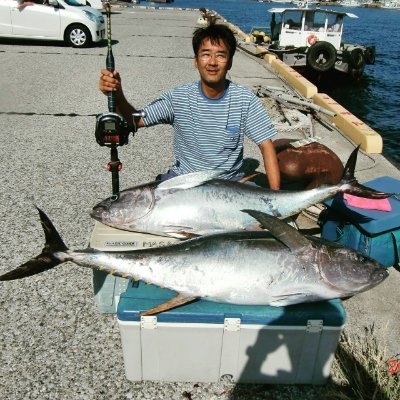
{"points": [[198, 203]]}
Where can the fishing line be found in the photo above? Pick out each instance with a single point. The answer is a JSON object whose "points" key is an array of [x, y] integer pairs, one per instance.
{"points": [[31, 114], [100, 55], [163, 36]]}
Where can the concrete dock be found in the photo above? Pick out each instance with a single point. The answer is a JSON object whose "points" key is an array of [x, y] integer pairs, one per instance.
{"points": [[54, 342]]}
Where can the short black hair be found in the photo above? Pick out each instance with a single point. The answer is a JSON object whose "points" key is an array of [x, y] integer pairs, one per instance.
{"points": [[216, 33]]}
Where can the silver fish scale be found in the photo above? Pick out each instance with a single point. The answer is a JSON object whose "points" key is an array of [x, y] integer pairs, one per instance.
{"points": [[213, 268], [212, 207]]}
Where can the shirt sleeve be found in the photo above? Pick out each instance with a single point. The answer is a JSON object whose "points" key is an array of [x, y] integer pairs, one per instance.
{"points": [[159, 111], [259, 126]]}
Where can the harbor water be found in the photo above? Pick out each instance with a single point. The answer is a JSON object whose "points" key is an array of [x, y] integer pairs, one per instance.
{"points": [[376, 98]]}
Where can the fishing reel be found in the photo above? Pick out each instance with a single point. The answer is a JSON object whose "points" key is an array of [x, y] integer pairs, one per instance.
{"points": [[112, 130]]}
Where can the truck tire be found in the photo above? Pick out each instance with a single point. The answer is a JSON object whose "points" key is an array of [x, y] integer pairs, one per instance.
{"points": [[369, 55], [357, 59], [321, 56], [78, 36]]}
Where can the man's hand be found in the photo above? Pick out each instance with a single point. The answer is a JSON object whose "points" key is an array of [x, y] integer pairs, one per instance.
{"points": [[109, 81], [25, 4]]}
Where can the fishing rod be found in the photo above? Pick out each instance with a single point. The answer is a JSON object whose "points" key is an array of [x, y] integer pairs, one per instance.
{"points": [[111, 128]]}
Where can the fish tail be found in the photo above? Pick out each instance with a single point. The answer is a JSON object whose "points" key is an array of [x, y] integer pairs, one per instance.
{"points": [[350, 185], [46, 259], [349, 168]]}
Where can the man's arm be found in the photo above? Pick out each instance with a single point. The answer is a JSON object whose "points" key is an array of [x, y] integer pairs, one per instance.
{"points": [[270, 164], [111, 82], [24, 4]]}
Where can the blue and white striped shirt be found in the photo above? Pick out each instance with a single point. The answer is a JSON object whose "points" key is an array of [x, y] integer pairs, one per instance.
{"points": [[209, 133]]}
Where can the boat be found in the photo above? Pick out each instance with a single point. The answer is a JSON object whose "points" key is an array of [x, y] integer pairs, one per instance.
{"points": [[160, 1], [391, 5], [349, 3], [304, 3], [310, 40], [281, 1]]}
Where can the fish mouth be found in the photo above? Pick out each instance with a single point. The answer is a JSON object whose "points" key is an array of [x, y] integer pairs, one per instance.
{"points": [[380, 275], [100, 210], [124, 208]]}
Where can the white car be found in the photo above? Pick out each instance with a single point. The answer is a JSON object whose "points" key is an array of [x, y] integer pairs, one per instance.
{"points": [[97, 4], [66, 20]]}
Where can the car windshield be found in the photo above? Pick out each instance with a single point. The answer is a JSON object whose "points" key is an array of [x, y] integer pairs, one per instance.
{"points": [[73, 3]]}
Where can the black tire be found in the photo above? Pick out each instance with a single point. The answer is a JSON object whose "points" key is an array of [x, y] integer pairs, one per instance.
{"points": [[78, 36], [356, 73], [369, 55], [357, 59], [321, 56]]}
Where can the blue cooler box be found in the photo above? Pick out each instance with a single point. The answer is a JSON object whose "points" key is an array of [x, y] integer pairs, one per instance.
{"points": [[371, 232], [204, 341]]}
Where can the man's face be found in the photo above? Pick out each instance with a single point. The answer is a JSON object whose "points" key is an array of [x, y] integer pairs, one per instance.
{"points": [[213, 62]]}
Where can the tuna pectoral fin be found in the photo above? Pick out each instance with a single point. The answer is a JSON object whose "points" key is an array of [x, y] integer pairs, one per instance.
{"points": [[286, 234], [182, 235], [176, 301], [248, 177], [190, 180]]}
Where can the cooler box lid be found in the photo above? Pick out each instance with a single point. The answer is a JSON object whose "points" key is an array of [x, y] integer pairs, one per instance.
{"points": [[372, 221], [144, 297]]}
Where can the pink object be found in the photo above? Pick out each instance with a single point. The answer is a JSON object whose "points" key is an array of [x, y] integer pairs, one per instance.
{"points": [[368, 204]]}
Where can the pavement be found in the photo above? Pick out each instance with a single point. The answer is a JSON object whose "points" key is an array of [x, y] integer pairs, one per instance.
{"points": [[54, 342]]}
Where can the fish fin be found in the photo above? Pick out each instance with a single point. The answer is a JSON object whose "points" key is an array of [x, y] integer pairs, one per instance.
{"points": [[247, 178], [350, 184], [39, 264], [349, 168], [176, 301], [44, 261], [179, 231], [188, 181], [286, 234], [254, 227], [294, 298], [182, 235]]}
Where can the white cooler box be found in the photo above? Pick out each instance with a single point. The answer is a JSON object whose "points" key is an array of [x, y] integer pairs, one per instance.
{"points": [[107, 288], [204, 341]]}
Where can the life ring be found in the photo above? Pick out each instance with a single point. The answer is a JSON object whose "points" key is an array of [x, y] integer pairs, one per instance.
{"points": [[312, 39]]}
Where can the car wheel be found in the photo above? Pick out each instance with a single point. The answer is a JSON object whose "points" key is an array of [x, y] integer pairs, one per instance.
{"points": [[78, 36]]}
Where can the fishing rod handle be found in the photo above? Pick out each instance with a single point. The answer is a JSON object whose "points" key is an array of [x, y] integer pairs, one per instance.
{"points": [[110, 65]]}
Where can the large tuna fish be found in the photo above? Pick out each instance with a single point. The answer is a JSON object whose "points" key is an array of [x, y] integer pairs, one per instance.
{"points": [[197, 203], [282, 266]]}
